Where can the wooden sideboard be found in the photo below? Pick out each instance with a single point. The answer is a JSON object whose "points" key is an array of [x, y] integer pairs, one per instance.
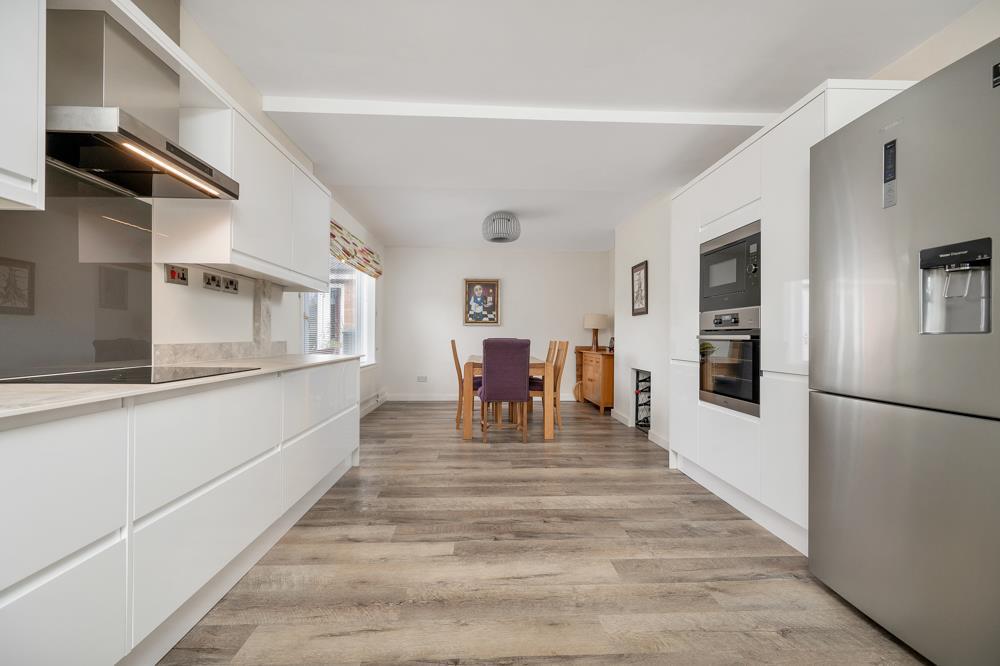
{"points": [[598, 377]]}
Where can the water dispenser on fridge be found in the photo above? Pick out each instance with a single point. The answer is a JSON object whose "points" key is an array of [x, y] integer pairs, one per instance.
{"points": [[955, 288]]}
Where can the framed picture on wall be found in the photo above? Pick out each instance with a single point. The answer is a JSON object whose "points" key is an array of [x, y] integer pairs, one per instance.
{"points": [[17, 287], [481, 304], [640, 288]]}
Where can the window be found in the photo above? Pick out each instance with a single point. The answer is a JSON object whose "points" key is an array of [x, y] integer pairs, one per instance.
{"points": [[342, 320]]}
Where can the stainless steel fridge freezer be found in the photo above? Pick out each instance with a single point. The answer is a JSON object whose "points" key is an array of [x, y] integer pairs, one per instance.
{"points": [[904, 469]]}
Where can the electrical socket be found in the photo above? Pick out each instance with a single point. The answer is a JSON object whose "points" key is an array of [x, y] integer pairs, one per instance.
{"points": [[421, 379], [211, 281], [175, 274], [230, 285]]}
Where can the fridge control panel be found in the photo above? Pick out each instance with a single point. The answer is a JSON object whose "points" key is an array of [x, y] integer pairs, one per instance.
{"points": [[889, 174]]}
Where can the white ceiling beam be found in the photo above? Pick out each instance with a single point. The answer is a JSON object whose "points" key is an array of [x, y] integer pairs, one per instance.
{"points": [[369, 107]]}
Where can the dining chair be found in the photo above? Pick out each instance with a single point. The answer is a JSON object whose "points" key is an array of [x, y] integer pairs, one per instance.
{"points": [[550, 357], [477, 381], [536, 385], [505, 379]]}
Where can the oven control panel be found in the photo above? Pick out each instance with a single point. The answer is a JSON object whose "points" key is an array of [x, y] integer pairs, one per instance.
{"points": [[741, 318]]}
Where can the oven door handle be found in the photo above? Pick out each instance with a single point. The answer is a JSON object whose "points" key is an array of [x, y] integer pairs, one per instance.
{"points": [[727, 337]]}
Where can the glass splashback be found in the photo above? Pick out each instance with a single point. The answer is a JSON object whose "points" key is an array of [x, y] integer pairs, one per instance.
{"points": [[75, 282]]}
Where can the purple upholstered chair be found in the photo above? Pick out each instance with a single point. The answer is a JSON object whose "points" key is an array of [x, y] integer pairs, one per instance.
{"points": [[505, 379]]}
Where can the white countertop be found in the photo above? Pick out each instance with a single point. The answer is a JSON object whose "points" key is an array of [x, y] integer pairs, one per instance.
{"points": [[20, 399]]}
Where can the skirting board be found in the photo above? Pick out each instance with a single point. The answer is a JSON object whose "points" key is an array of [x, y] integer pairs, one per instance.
{"points": [[659, 440], [165, 637], [370, 403], [794, 535], [621, 417]]}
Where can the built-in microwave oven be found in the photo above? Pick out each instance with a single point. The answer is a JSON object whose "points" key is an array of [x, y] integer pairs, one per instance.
{"points": [[730, 270]]}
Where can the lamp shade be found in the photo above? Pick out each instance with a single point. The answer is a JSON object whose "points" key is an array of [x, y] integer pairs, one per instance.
{"points": [[600, 321]]}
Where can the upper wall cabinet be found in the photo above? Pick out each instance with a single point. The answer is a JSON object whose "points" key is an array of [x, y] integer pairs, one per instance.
{"points": [[278, 229], [733, 185], [22, 113]]}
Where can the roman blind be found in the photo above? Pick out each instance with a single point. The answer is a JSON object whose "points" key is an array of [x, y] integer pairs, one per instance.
{"points": [[351, 250]]}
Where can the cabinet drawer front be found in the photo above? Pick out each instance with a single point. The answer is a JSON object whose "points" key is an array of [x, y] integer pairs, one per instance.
{"points": [[76, 618], [62, 486], [729, 447], [315, 394], [309, 458], [179, 552], [184, 442]]}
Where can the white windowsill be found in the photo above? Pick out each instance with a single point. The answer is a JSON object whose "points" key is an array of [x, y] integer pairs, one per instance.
{"points": [[369, 364]]}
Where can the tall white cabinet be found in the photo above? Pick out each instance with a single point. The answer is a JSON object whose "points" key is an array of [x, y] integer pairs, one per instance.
{"points": [[22, 112], [758, 464]]}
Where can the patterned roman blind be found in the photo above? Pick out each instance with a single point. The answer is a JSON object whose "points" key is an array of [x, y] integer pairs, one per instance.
{"points": [[349, 249]]}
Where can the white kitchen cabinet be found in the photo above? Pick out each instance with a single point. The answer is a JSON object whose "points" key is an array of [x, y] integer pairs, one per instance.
{"points": [[22, 113], [77, 617], [310, 227], [186, 441], [683, 405], [785, 238], [306, 459], [784, 449], [277, 230], [262, 227], [180, 551], [729, 447], [62, 487], [685, 214], [313, 395], [733, 185]]}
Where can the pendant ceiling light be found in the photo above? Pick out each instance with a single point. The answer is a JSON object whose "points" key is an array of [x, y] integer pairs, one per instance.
{"points": [[501, 227]]}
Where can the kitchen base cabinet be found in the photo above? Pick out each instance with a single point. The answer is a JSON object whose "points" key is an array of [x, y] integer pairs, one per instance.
{"points": [[310, 457], [177, 553], [683, 407], [62, 487], [186, 441], [77, 617], [784, 451]]}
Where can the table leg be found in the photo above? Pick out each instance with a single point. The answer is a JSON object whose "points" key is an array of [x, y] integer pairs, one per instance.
{"points": [[468, 401], [548, 402]]}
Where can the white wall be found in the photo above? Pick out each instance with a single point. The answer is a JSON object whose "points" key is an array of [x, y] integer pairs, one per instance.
{"points": [[543, 296], [974, 29], [642, 342]]}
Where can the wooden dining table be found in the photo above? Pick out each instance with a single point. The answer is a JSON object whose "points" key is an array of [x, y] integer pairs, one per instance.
{"points": [[536, 367]]}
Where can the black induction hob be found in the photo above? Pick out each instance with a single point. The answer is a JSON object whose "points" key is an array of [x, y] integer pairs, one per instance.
{"points": [[145, 374]]}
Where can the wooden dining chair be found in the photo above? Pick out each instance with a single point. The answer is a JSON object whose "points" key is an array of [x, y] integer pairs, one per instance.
{"points": [[476, 383], [536, 385], [550, 357]]}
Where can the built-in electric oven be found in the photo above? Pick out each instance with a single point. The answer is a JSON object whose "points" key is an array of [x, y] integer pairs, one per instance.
{"points": [[729, 335], [729, 349], [730, 270]]}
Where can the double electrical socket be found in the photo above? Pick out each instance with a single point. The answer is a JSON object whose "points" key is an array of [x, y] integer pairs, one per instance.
{"points": [[221, 283]]}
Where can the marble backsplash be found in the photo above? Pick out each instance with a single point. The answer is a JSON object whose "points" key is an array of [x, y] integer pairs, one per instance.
{"points": [[259, 347]]}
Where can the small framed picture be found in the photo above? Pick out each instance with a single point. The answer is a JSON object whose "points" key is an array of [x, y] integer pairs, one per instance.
{"points": [[640, 288], [17, 287], [481, 302]]}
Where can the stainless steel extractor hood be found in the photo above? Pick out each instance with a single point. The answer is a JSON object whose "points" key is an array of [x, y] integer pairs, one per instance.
{"points": [[113, 114]]}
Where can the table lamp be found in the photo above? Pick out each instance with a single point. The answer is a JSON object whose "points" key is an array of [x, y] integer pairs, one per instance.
{"points": [[596, 322]]}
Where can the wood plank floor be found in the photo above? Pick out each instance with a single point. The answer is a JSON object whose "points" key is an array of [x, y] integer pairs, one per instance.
{"points": [[583, 550]]}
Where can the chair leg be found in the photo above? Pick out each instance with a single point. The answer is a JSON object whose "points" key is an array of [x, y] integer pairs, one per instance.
{"points": [[458, 413], [531, 405], [558, 413], [486, 421], [523, 409]]}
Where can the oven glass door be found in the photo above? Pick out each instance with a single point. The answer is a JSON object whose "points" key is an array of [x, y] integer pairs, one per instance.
{"points": [[730, 369], [724, 271]]}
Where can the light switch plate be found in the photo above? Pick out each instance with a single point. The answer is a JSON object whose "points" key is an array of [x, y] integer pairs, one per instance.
{"points": [[175, 274]]}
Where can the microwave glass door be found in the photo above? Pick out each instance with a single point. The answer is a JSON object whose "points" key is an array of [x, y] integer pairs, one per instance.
{"points": [[724, 271], [730, 368]]}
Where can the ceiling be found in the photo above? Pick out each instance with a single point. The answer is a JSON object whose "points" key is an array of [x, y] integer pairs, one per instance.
{"points": [[425, 116]]}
